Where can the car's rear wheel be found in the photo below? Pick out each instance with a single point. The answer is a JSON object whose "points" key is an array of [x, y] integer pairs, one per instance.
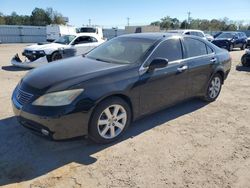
{"points": [[56, 56], [213, 88], [109, 121], [243, 47]]}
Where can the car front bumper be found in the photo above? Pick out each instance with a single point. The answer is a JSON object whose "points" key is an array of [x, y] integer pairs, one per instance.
{"points": [[55, 127], [16, 61], [222, 44]]}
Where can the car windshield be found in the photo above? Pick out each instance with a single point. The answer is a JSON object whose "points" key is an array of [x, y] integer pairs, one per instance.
{"points": [[65, 39], [226, 35], [123, 50]]}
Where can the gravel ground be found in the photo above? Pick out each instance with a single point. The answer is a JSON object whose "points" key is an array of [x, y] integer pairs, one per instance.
{"points": [[193, 144]]}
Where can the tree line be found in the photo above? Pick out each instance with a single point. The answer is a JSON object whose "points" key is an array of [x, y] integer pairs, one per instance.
{"points": [[202, 24], [38, 17]]}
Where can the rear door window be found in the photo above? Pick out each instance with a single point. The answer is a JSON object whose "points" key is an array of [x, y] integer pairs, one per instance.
{"points": [[83, 40], [170, 49], [194, 47]]}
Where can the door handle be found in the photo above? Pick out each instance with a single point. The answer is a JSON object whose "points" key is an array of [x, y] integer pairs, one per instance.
{"points": [[183, 68], [213, 60]]}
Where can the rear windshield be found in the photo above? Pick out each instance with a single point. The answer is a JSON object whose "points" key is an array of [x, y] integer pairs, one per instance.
{"points": [[87, 30]]}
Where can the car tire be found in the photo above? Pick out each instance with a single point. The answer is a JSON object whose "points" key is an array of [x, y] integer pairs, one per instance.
{"points": [[109, 120], [56, 56], [243, 47], [230, 47], [213, 88], [244, 61]]}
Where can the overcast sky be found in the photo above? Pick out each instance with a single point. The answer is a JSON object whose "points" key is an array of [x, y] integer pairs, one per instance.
{"points": [[111, 13]]}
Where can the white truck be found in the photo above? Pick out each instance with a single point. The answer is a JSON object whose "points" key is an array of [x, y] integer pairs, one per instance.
{"points": [[54, 31]]}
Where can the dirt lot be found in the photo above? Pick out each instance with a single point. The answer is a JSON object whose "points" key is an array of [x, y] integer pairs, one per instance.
{"points": [[193, 144]]}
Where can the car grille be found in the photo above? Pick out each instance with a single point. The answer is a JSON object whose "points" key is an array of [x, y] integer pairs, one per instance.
{"points": [[27, 52], [32, 56], [23, 97]]}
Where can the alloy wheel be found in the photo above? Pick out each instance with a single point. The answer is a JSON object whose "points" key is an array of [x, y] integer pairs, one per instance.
{"points": [[112, 121], [214, 88]]}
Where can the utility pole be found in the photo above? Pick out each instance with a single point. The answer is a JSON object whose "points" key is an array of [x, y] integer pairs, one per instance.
{"points": [[128, 19], [189, 17], [89, 22]]}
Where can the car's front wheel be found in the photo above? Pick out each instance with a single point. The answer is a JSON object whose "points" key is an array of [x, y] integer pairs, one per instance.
{"points": [[56, 56], [109, 120], [213, 88], [230, 47]]}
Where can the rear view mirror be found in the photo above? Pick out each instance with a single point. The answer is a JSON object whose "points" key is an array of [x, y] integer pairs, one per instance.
{"points": [[157, 64]]}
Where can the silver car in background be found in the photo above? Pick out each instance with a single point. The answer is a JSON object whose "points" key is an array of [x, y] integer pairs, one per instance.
{"points": [[193, 32]]}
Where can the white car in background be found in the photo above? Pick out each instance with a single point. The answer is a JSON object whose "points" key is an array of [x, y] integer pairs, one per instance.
{"points": [[66, 46], [209, 37], [193, 32]]}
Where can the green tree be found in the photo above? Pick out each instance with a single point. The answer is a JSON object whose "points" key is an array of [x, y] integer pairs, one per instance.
{"points": [[231, 27], [166, 23], [2, 19], [40, 17], [184, 24], [58, 19], [156, 23], [175, 23]]}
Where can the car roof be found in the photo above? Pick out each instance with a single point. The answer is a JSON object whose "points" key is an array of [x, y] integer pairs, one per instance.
{"points": [[232, 32], [184, 30], [153, 36]]}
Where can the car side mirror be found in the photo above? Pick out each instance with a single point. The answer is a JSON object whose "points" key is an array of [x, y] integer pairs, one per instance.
{"points": [[157, 64]]}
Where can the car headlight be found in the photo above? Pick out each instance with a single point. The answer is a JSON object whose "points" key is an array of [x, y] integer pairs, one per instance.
{"points": [[40, 52], [60, 98]]}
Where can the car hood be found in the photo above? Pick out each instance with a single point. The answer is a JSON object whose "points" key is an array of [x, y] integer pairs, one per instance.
{"points": [[66, 73], [49, 46]]}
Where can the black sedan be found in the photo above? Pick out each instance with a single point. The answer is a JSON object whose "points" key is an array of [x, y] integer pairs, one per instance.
{"points": [[101, 93], [231, 40]]}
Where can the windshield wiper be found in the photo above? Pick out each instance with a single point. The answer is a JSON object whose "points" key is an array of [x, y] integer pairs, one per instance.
{"points": [[98, 59]]}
